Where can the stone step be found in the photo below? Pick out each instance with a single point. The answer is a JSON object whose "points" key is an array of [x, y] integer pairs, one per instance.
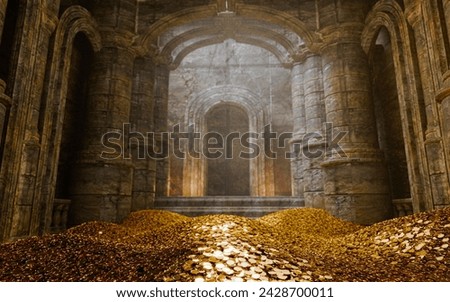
{"points": [[243, 211], [242, 206]]}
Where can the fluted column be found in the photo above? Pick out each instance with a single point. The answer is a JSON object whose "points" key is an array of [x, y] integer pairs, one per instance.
{"points": [[161, 119], [298, 108], [144, 178], [356, 184], [314, 145]]}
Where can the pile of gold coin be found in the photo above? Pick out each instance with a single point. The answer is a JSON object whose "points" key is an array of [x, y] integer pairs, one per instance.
{"points": [[290, 245], [230, 249]]}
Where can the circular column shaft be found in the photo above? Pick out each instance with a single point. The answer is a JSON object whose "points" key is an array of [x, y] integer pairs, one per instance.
{"points": [[298, 108], [102, 187], [355, 178], [314, 145]]}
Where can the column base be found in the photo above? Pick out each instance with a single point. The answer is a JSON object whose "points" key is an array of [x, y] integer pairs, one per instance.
{"points": [[101, 191], [357, 190]]}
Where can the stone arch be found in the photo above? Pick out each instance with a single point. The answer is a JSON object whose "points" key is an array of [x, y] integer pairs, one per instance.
{"points": [[216, 40], [198, 107], [254, 12], [75, 20], [389, 15], [170, 39], [249, 18]]}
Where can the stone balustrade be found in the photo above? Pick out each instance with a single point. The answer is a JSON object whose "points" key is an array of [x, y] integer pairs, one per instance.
{"points": [[403, 207], [60, 215]]}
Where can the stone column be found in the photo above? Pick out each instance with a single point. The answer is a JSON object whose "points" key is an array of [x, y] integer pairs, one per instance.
{"points": [[102, 187], [161, 102], [314, 146], [144, 178], [3, 4], [298, 108], [356, 184], [435, 144]]}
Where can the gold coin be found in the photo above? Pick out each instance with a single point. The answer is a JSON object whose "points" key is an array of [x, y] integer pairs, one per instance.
{"points": [[244, 264], [256, 276], [257, 270], [228, 271]]}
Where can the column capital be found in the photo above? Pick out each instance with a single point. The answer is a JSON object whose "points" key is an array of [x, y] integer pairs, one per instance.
{"points": [[162, 60], [117, 38], [340, 34], [300, 56]]}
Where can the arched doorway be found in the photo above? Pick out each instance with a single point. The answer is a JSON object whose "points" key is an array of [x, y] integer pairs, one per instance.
{"points": [[74, 121], [229, 174], [388, 116]]}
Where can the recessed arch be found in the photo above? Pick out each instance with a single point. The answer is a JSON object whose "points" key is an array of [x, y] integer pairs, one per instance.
{"points": [[75, 21], [389, 15], [199, 105]]}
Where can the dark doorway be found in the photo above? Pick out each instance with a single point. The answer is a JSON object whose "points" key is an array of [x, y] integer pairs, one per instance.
{"points": [[75, 114], [228, 176], [389, 121]]}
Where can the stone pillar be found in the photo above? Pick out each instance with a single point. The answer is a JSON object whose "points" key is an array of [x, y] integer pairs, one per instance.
{"points": [[298, 108], [161, 102], [102, 187], [144, 178], [314, 146], [356, 184], [3, 4]]}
